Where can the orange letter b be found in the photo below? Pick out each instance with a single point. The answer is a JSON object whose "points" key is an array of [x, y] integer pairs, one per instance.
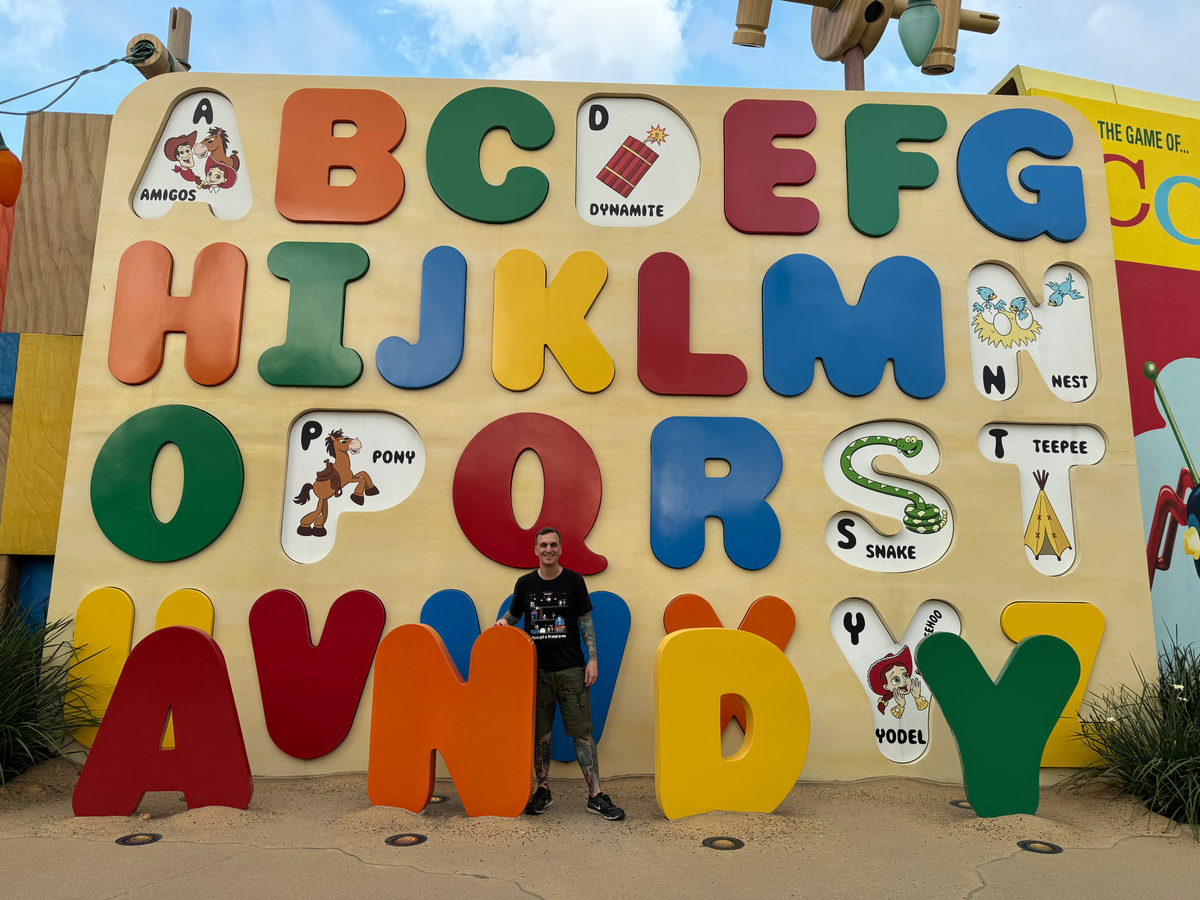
{"points": [[144, 311], [483, 727], [308, 152]]}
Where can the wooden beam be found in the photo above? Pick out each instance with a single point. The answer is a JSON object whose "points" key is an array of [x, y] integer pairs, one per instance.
{"points": [[50, 269]]}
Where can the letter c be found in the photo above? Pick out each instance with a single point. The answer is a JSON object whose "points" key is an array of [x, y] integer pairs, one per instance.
{"points": [[1162, 211], [1139, 169]]}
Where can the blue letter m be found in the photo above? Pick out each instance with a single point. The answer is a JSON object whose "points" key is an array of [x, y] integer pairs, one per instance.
{"points": [[898, 317]]}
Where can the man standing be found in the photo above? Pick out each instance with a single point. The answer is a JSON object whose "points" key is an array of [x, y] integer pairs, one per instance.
{"points": [[557, 610]]}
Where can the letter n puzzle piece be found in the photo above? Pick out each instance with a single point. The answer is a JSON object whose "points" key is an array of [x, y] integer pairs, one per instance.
{"points": [[178, 671], [483, 728], [1001, 728], [1082, 626], [310, 693], [693, 669], [768, 617]]}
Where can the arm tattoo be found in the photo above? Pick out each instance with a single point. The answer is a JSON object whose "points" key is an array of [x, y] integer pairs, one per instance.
{"points": [[511, 619], [588, 630]]}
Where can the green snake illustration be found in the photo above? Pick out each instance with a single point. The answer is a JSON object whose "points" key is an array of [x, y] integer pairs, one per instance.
{"points": [[919, 517]]}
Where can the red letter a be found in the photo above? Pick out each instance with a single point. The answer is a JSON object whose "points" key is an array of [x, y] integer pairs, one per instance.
{"points": [[179, 670]]}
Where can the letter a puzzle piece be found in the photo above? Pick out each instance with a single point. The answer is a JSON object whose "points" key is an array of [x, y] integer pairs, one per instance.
{"points": [[693, 669], [483, 728], [1001, 728], [768, 617], [181, 671], [310, 693], [900, 703], [183, 607], [1082, 626]]}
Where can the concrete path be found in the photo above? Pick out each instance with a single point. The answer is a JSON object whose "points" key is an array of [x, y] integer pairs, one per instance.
{"points": [[318, 838]]}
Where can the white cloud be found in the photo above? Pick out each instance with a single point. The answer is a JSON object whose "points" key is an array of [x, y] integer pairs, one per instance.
{"points": [[569, 40], [30, 28]]}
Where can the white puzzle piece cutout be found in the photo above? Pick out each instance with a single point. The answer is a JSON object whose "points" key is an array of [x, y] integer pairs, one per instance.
{"points": [[928, 524], [1044, 455], [342, 462], [1056, 333], [636, 162], [198, 159], [900, 700]]}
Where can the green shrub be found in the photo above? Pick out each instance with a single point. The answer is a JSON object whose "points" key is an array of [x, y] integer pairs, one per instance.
{"points": [[1147, 738], [41, 703]]}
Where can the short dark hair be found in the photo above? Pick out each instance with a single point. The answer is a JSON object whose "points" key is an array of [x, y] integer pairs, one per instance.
{"points": [[548, 530]]}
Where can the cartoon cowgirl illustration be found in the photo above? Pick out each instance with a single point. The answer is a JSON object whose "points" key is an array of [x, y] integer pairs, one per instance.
{"points": [[891, 678], [180, 149], [217, 175]]}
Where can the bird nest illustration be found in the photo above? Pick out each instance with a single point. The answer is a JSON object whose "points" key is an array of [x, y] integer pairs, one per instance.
{"points": [[1003, 330]]}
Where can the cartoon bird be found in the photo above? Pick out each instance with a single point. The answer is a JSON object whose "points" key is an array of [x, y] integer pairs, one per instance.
{"points": [[1062, 290], [988, 295], [1000, 305], [1020, 307]]}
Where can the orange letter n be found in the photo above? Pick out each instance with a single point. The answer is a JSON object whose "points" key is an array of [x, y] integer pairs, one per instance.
{"points": [[144, 312], [483, 728]]}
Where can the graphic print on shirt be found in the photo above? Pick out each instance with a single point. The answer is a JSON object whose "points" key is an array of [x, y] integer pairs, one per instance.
{"points": [[546, 611]]}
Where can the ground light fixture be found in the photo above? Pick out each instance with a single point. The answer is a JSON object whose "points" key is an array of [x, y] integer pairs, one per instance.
{"points": [[961, 804], [138, 840], [438, 798], [1039, 847], [919, 26], [405, 840], [723, 843]]}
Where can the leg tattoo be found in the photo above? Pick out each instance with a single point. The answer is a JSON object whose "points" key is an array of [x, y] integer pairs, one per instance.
{"points": [[541, 762], [585, 753]]}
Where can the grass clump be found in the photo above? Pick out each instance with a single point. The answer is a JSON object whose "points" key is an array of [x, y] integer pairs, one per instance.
{"points": [[41, 703], [1147, 738]]}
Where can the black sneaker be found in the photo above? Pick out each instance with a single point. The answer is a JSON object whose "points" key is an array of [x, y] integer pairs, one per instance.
{"points": [[602, 806], [540, 802]]}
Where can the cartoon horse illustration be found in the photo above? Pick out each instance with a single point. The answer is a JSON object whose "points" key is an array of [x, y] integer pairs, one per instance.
{"points": [[331, 481], [217, 143]]}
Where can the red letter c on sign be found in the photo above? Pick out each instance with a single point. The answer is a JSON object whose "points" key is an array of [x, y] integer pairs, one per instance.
{"points": [[571, 498]]}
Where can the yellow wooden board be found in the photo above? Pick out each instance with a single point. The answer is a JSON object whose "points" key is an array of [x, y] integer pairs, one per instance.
{"points": [[47, 368], [408, 552]]}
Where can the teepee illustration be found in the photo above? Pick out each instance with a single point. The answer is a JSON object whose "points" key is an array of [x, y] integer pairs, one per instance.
{"points": [[1044, 534]]}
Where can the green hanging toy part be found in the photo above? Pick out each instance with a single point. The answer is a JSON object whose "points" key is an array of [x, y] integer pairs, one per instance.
{"points": [[1001, 728]]}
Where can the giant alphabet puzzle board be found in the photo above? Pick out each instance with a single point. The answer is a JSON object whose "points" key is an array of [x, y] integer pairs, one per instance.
{"points": [[375, 270]]}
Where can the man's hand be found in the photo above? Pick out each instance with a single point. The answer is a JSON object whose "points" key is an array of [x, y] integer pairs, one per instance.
{"points": [[590, 673], [501, 621]]}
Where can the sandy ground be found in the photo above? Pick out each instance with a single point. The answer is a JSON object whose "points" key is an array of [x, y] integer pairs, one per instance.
{"points": [[318, 838]]}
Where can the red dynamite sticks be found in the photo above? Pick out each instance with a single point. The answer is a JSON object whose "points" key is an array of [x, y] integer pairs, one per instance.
{"points": [[627, 166]]}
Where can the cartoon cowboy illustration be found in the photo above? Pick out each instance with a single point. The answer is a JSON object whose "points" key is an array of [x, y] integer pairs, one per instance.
{"points": [[217, 175], [891, 678], [180, 149]]}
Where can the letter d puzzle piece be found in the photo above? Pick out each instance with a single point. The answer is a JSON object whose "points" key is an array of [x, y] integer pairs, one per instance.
{"points": [[180, 671], [768, 617], [1001, 728], [693, 669]]}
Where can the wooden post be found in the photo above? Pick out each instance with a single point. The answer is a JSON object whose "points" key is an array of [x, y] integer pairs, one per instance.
{"points": [[856, 78], [179, 35], [941, 58]]}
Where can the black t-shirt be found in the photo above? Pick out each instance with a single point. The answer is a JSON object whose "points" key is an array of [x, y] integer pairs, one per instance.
{"points": [[552, 610]]}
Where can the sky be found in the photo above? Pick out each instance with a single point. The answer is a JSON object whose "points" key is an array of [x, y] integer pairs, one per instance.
{"points": [[1146, 45]]}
